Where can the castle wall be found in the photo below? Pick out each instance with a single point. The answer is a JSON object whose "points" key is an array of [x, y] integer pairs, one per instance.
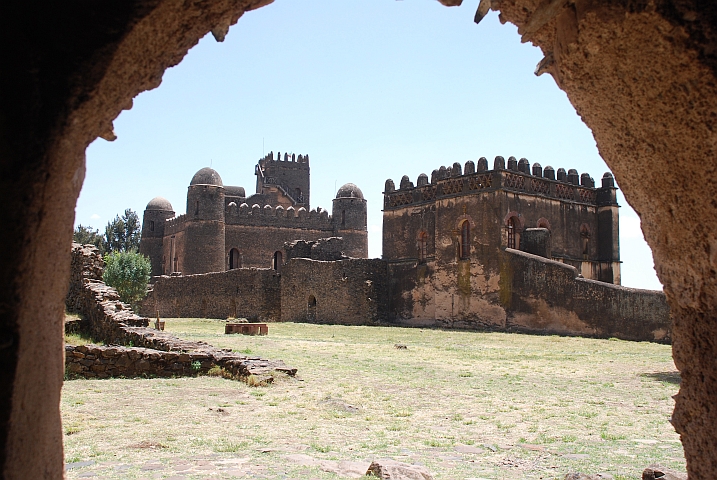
{"points": [[545, 296], [529, 294], [257, 244], [247, 292], [346, 292]]}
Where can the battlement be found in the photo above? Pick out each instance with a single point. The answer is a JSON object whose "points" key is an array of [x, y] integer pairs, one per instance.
{"points": [[519, 176], [269, 157], [174, 225], [269, 216]]}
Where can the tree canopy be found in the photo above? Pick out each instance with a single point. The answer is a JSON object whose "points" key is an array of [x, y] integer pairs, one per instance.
{"points": [[122, 234], [86, 235], [128, 273]]}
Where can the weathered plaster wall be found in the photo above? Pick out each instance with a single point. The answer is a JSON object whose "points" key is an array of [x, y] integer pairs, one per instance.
{"points": [[541, 295]]}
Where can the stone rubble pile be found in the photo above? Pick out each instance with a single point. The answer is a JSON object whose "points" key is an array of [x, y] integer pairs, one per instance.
{"points": [[152, 352]]}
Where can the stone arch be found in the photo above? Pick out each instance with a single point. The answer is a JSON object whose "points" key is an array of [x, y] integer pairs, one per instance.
{"points": [[543, 223], [311, 305], [585, 240], [277, 260], [422, 245], [465, 226], [64, 104], [514, 224], [235, 259]]}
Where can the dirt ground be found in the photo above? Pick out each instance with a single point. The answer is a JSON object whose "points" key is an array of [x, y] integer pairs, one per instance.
{"points": [[465, 405]]}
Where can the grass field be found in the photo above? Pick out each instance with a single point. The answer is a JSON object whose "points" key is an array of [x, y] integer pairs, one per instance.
{"points": [[466, 405]]}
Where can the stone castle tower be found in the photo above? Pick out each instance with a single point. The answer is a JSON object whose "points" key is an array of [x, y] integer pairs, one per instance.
{"points": [[223, 229]]}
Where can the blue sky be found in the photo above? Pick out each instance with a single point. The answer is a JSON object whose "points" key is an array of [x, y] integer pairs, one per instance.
{"points": [[370, 89]]}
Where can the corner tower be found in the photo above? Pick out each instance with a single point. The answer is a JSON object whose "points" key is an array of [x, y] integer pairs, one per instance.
{"points": [[204, 235], [158, 211], [349, 219]]}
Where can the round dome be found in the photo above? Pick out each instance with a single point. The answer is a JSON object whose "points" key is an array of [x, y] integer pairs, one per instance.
{"points": [[349, 191], [159, 203], [207, 176], [234, 191]]}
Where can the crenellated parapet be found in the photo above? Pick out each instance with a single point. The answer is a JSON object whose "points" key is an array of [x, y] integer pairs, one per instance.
{"points": [[518, 176], [256, 215], [174, 225], [269, 157]]}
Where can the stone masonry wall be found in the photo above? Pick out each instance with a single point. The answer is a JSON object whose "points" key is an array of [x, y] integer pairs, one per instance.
{"points": [[251, 293], [155, 353], [541, 295], [346, 292]]}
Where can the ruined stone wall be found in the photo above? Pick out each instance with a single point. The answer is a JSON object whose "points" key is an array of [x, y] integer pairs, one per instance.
{"points": [[251, 293], [528, 293], [541, 295], [153, 352], [346, 292]]}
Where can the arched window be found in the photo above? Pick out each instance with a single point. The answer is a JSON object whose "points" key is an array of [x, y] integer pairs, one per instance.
{"points": [[151, 225], [277, 260], [298, 196], [512, 232], [422, 246], [311, 309], [234, 259], [196, 209], [585, 240], [465, 240]]}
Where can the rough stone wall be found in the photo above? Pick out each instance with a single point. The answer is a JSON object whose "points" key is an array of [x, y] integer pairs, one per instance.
{"points": [[345, 292], [324, 249], [257, 244], [94, 361], [251, 293], [157, 353], [528, 294], [540, 295]]}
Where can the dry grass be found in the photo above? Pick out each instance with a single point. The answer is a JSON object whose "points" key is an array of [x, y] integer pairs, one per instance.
{"points": [[536, 407]]}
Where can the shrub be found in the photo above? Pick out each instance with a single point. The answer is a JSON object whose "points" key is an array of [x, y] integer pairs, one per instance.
{"points": [[128, 272]]}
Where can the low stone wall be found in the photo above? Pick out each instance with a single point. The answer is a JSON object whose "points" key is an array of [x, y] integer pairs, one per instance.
{"points": [[154, 352], [251, 293], [94, 361], [545, 296]]}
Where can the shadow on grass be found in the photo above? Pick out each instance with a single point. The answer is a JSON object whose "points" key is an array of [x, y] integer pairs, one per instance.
{"points": [[667, 377]]}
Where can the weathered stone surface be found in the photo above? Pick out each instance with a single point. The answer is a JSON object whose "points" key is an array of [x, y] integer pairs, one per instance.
{"points": [[658, 472], [157, 353], [392, 470]]}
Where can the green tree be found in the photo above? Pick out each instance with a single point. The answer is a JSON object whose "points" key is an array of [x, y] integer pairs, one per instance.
{"points": [[87, 236], [122, 234], [128, 272]]}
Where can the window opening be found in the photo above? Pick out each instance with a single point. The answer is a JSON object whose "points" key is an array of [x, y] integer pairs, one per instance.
{"points": [[465, 240], [311, 308], [343, 218], [151, 226], [422, 246], [234, 259], [512, 229], [277, 260]]}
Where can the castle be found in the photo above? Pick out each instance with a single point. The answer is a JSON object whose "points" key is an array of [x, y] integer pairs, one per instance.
{"points": [[512, 248], [224, 229]]}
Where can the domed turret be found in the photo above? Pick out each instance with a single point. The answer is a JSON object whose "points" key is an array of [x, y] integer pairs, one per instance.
{"points": [[158, 211], [159, 203], [349, 191], [207, 176]]}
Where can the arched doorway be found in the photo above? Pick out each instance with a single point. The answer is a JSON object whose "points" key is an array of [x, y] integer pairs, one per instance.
{"points": [[512, 233], [234, 259], [465, 253], [277, 261], [311, 309]]}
